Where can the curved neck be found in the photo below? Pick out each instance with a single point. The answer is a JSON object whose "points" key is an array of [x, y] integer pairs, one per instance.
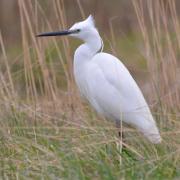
{"points": [[94, 43]]}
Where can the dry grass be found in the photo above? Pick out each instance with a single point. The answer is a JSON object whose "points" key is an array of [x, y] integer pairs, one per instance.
{"points": [[48, 132], [159, 25]]}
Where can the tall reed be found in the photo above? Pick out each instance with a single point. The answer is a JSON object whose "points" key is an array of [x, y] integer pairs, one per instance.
{"points": [[160, 28]]}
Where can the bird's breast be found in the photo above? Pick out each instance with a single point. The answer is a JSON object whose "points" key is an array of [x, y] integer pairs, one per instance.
{"points": [[80, 78]]}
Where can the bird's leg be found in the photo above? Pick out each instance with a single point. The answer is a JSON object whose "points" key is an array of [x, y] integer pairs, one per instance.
{"points": [[120, 133]]}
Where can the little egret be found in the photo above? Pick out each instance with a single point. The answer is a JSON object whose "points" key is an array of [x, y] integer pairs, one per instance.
{"points": [[106, 83]]}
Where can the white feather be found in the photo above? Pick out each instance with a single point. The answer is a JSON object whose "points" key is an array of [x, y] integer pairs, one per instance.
{"points": [[107, 84]]}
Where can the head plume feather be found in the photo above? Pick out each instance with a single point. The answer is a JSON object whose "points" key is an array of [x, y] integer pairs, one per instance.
{"points": [[91, 20]]}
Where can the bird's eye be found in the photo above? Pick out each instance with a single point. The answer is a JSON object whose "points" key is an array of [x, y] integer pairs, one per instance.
{"points": [[75, 31]]}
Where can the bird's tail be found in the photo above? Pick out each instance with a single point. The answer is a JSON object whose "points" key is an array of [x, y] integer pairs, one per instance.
{"points": [[152, 133], [154, 137]]}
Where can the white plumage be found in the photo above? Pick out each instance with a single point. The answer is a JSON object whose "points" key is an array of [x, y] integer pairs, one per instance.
{"points": [[107, 84]]}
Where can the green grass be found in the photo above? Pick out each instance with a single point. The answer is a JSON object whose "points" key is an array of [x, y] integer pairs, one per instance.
{"points": [[37, 148]]}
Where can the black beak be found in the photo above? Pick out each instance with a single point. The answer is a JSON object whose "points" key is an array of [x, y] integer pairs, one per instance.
{"points": [[59, 33]]}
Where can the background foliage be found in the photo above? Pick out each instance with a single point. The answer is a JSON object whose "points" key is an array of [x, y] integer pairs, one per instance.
{"points": [[47, 131]]}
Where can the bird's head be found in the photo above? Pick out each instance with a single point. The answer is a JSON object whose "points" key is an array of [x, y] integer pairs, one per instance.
{"points": [[82, 30]]}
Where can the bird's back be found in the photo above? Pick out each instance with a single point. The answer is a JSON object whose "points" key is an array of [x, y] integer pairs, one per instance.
{"points": [[113, 93]]}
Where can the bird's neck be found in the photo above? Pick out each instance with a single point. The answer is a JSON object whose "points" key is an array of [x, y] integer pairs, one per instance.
{"points": [[94, 44], [87, 51]]}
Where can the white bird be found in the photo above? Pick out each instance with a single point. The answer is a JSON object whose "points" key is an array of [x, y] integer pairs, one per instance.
{"points": [[106, 83]]}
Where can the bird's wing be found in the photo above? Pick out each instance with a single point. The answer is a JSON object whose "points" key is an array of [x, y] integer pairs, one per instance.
{"points": [[113, 87], [119, 77], [114, 93]]}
